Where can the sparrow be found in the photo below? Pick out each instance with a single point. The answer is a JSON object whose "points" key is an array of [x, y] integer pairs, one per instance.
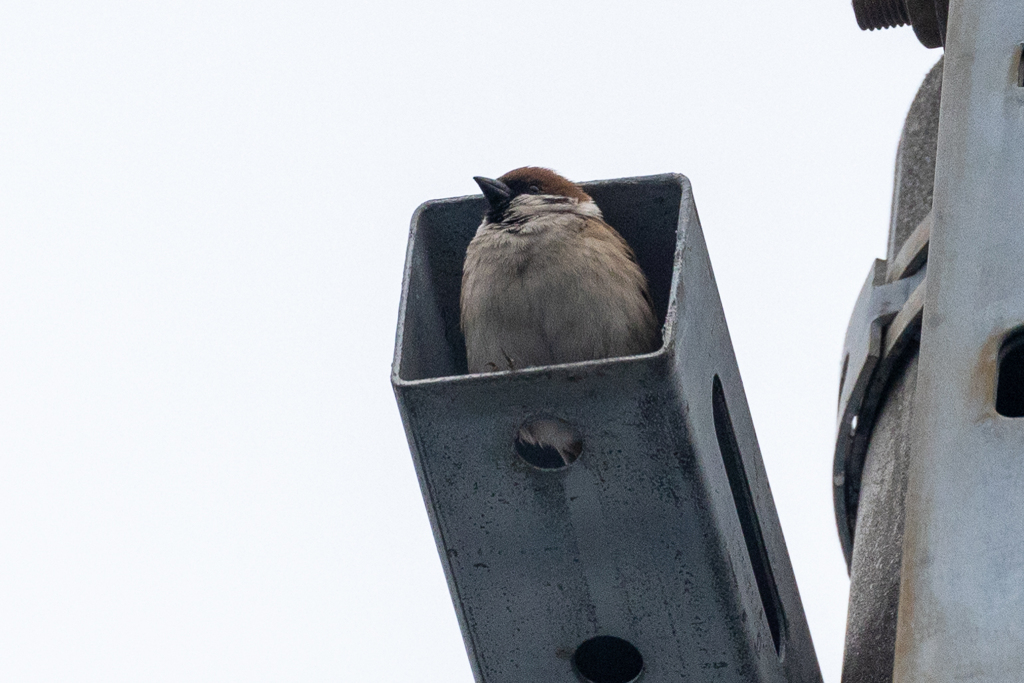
{"points": [[547, 281]]}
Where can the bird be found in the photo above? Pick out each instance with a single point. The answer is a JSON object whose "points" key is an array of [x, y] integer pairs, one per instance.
{"points": [[547, 281]]}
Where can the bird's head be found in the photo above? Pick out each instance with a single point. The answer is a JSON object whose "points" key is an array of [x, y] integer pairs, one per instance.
{"points": [[529, 190]]}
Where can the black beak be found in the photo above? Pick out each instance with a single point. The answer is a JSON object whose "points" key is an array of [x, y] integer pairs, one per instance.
{"points": [[497, 192]]}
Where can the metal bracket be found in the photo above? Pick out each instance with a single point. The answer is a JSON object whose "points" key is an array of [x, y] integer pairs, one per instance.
{"points": [[886, 321], [962, 569], [661, 541]]}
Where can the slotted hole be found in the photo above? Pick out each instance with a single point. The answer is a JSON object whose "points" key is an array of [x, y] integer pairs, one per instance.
{"points": [[1010, 381], [749, 523], [1020, 66]]}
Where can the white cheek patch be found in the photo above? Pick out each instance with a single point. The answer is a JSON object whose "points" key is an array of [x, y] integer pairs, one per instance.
{"points": [[527, 206], [535, 202], [589, 208]]}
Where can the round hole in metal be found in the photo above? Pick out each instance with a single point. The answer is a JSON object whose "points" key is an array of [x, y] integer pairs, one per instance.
{"points": [[607, 659], [548, 443]]}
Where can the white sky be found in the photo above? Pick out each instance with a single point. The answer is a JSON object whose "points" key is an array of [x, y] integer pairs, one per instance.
{"points": [[203, 216]]}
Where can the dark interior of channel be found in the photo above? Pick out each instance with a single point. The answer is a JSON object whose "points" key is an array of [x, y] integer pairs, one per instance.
{"points": [[646, 213]]}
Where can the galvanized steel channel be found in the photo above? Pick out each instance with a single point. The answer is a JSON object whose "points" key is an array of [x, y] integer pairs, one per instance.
{"points": [[663, 533]]}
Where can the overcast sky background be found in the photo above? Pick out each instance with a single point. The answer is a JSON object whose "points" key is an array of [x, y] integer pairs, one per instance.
{"points": [[203, 217]]}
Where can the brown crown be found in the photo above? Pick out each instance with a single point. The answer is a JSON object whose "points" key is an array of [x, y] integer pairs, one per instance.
{"points": [[549, 182]]}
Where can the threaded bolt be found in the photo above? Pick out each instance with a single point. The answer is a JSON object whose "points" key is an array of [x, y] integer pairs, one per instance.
{"points": [[876, 14]]}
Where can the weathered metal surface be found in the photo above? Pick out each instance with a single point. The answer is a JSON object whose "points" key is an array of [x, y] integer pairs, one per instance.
{"points": [[662, 533], [962, 576]]}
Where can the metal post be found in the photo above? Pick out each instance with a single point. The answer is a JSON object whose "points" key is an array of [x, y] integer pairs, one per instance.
{"points": [[962, 585], [657, 555]]}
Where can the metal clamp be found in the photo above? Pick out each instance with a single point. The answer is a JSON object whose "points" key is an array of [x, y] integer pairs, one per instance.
{"points": [[885, 324]]}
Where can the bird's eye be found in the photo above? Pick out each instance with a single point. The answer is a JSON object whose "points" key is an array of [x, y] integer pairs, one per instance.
{"points": [[534, 189]]}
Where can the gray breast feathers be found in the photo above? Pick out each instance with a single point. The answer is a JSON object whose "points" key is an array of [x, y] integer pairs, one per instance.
{"points": [[560, 289]]}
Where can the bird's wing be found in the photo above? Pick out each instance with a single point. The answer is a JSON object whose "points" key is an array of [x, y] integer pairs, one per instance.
{"points": [[596, 228]]}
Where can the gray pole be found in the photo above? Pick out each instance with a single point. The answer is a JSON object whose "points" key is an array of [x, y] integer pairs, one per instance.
{"points": [[961, 613]]}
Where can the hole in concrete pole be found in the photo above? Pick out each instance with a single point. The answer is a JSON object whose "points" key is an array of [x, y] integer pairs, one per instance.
{"points": [[751, 526], [1010, 382], [607, 659], [548, 443]]}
